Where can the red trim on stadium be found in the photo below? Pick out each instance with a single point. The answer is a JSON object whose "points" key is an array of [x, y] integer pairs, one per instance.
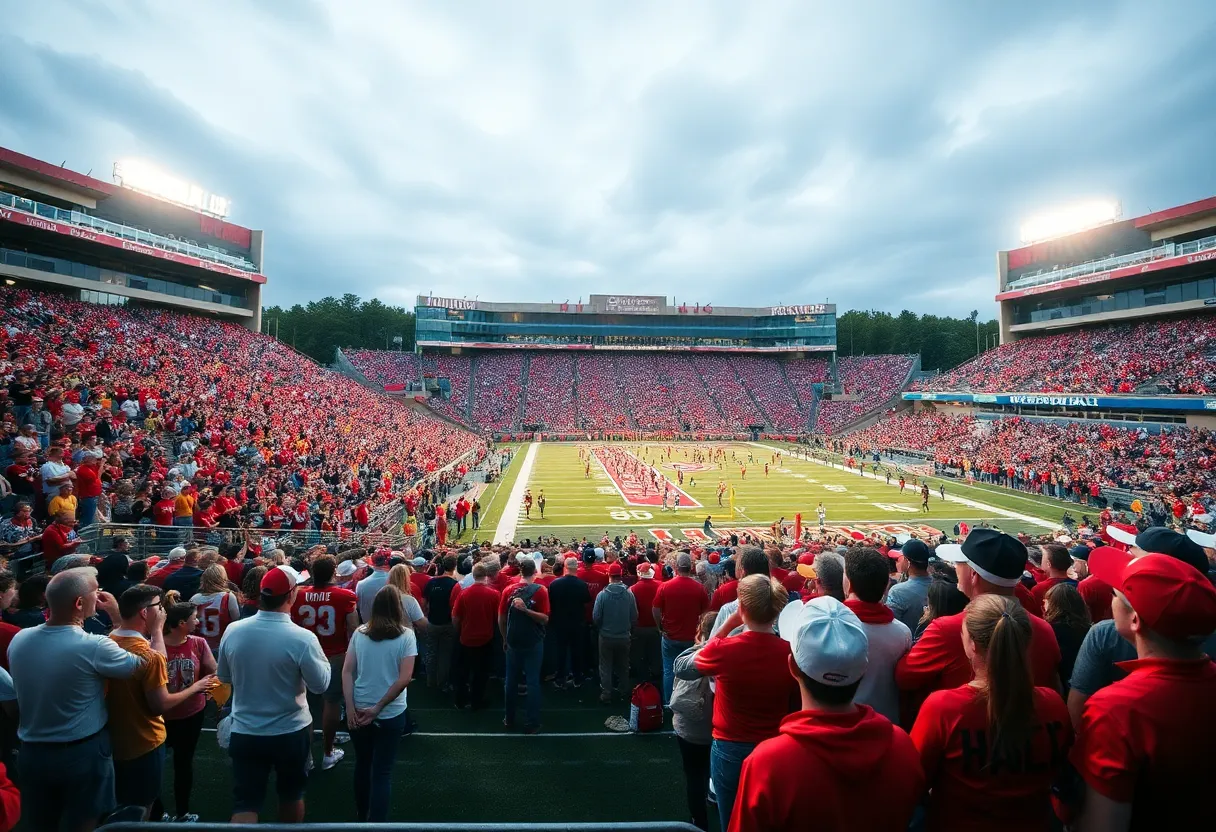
{"points": [[494, 345], [1203, 206], [1102, 277], [45, 170], [93, 236]]}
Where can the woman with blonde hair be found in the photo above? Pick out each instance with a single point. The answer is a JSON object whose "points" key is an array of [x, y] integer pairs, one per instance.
{"points": [[217, 605], [399, 577], [379, 666], [754, 687], [992, 748]]}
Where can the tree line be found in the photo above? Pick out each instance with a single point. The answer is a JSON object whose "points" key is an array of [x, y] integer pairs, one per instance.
{"points": [[317, 327]]}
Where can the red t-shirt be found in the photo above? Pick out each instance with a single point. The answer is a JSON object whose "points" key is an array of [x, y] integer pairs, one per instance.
{"points": [[324, 611], [157, 576], [1040, 590], [595, 581], [163, 511], [7, 631], [938, 662], [540, 599], [88, 482], [1029, 602], [418, 582], [755, 689], [969, 792], [184, 665], [644, 592], [681, 602], [724, 594], [1097, 595], [1146, 740], [54, 543], [477, 609]]}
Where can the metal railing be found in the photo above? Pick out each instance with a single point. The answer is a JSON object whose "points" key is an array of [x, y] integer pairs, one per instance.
{"points": [[124, 232], [643, 826], [1118, 261]]}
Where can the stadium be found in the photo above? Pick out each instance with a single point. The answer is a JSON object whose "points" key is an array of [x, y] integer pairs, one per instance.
{"points": [[154, 432]]}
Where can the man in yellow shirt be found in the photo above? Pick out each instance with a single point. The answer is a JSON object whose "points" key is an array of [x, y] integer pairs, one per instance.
{"points": [[65, 500], [135, 705], [183, 506]]}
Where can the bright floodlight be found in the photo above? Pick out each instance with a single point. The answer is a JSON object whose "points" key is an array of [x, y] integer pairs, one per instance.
{"points": [[1069, 219], [147, 177]]}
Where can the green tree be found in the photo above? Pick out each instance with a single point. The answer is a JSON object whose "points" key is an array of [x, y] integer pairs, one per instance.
{"points": [[317, 328]]}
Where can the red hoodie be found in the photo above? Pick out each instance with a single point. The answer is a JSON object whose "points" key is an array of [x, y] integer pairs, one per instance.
{"points": [[820, 772]]}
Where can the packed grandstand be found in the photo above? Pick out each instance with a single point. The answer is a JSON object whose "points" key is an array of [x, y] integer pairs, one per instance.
{"points": [[320, 529]]}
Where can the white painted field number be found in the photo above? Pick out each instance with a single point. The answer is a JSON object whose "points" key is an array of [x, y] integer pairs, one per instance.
{"points": [[894, 507], [839, 489], [622, 513]]}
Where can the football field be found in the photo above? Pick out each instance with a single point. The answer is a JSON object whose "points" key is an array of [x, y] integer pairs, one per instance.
{"points": [[593, 488]]}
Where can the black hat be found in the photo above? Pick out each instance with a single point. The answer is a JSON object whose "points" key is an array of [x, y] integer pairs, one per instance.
{"points": [[588, 556], [1080, 552], [998, 558], [1162, 541], [916, 552]]}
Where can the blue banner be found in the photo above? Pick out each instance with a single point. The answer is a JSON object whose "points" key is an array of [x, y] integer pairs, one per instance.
{"points": [[1074, 400]]}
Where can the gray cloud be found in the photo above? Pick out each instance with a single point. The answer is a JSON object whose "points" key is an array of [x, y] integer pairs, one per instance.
{"points": [[876, 154]]}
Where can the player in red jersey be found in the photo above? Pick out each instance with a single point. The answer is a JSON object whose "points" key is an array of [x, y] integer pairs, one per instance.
{"points": [[332, 614]]}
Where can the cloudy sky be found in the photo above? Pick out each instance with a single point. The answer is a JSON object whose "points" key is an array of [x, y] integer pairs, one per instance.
{"points": [[875, 154]]}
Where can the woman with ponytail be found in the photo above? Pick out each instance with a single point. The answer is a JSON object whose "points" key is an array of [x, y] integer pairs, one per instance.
{"points": [[188, 659], [992, 748], [754, 687]]}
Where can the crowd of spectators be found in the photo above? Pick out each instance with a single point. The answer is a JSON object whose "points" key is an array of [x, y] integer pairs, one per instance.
{"points": [[1059, 458], [550, 394], [1116, 358], [157, 417], [643, 390], [873, 381]]}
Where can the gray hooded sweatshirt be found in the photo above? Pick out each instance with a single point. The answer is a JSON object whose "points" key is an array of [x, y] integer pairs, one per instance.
{"points": [[615, 611]]}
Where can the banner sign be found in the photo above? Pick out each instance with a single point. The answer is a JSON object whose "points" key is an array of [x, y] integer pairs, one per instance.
{"points": [[630, 304], [1068, 400], [803, 309], [92, 235], [451, 303], [1113, 274]]}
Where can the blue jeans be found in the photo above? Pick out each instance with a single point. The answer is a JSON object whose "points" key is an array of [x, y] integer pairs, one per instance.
{"points": [[526, 660], [671, 649], [375, 751], [725, 764], [86, 510]]}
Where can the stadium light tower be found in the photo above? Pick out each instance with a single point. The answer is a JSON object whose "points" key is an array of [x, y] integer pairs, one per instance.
{"points": [[1069, 219]]}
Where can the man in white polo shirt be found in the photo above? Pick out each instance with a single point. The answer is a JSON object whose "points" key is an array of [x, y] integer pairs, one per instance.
{"points": [[271, 663]]}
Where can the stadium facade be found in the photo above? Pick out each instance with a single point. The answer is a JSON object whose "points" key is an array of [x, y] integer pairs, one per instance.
{"points": [[113, 244], [1159, 264], [624, 322]]}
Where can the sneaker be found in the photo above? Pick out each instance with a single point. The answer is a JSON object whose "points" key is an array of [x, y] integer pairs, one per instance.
{"points": [[166, 818], [331, 760], [189, 817], [341, 738]]}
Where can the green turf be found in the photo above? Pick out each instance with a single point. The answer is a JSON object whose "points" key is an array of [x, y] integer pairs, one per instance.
{"points": [[504, 777], [578, 506]]}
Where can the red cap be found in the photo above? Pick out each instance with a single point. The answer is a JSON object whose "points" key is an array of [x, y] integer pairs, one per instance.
{"points": [[614, 570], [808, 558], [279, 581], [1171, 597], [714, 557]]}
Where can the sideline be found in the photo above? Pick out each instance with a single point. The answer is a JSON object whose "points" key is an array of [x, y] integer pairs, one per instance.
{"points": [[505, 531], [950, 498]]}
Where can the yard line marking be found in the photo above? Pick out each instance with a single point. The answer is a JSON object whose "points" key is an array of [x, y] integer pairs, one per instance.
{"points": [[1000, 512], [505, 532], [485, 512]]}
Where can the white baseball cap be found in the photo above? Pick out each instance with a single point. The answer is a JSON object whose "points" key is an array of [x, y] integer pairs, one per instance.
{"points": [[1125, 537], [346, 568], [177, 553], [1207, 541], [828, 641]]}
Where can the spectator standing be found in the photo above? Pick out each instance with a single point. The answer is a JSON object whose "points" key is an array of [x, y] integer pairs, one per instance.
{"points": [[88, 489], [522, 616], [328, 612], [1100, 660], [942, 599], [136, 705], [678, 606], [376, 671], [1143, 743], [569, 599], [615, 614], [60, 673], [754, 689], [865, 581], [188, 659], [907, 598], [217, 605], [992, 748], [1064, 609], [474, 615], [367, 588], [1057, 561], [692, 704], [988, 562], [439, 594], [271, 664], [647, 659], [59, 538], [1096, 594], [187, 579], [842, 747]]}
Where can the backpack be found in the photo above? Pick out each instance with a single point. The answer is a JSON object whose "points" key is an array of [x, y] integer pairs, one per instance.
{"points": [[522, 631], [645, 709]]}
